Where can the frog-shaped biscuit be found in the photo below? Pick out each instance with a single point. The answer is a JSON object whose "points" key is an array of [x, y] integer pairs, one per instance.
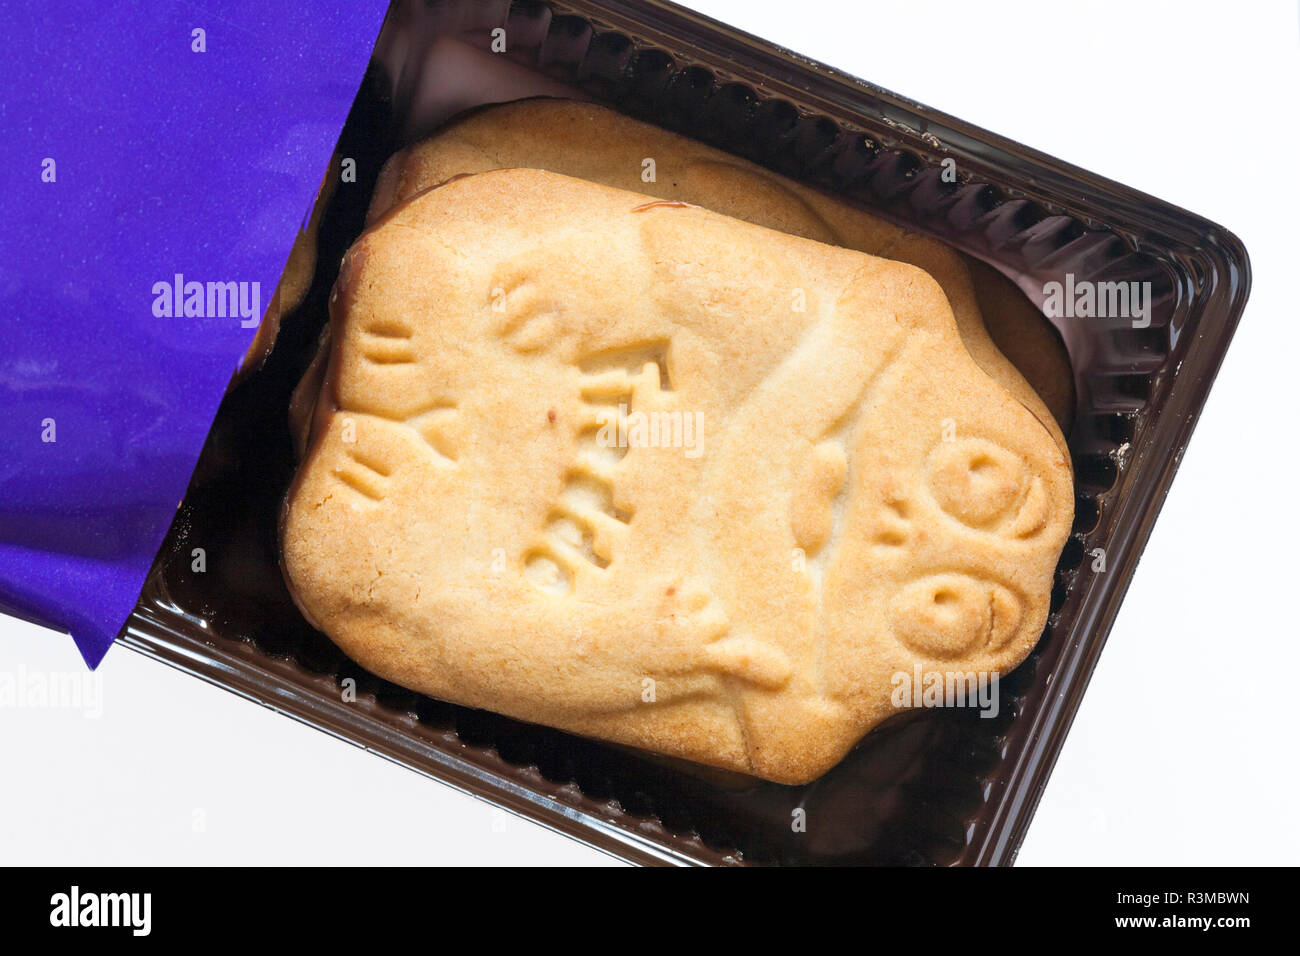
{"points": [[854, 495]]}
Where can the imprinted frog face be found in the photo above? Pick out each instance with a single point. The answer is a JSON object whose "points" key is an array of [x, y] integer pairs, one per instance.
{"points": [[858, 496]]}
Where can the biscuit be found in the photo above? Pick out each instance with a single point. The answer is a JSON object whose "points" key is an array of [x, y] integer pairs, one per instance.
{"points": [[838, 494], [592, 142], [1022, 333]]}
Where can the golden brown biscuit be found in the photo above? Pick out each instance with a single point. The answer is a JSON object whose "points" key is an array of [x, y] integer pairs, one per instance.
{"points": [[1024, 335], [837, 492], [592, 142]]}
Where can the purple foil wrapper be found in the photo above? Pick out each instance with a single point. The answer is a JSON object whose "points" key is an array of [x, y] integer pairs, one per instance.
{"points": [[134, 158]]}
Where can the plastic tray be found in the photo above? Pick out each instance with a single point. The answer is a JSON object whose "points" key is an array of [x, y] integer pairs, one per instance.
{"points": [[931, 787]]}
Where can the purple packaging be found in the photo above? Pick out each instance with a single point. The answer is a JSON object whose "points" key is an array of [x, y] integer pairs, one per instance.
{"points": [[159, 154]]}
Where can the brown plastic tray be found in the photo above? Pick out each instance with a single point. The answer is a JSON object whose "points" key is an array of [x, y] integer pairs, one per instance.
{"points": [[931, 787]]}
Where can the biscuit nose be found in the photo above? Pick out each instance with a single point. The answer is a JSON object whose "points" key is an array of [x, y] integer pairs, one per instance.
{"points": [[951, 615]]}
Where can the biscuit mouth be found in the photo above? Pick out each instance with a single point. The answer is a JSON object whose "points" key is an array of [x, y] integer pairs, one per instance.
{"points": [[583, 531], [589, 523]]}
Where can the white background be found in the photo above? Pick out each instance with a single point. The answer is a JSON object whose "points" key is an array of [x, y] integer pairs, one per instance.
{"points": [[1184, 751]]}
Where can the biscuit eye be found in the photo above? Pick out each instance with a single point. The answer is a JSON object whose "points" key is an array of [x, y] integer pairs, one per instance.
{"points": [[951, 615], [985, 486]]}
